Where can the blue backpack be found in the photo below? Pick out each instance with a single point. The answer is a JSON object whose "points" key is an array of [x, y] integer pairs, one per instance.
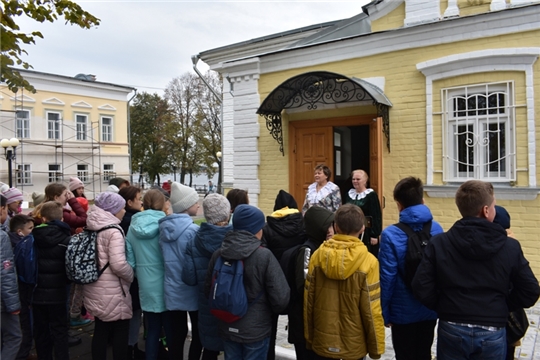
{"points": [[26, 260], [228, 299]]}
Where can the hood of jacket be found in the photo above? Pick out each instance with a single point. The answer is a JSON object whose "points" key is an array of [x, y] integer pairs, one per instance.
{"points": [[15, 238], [145, 225], [239, 245], [317, 220], [210, 237], [288, 224], [99, 218], [173, 226], [340, 256], [477, 238], [49, 235], [416, 214]]}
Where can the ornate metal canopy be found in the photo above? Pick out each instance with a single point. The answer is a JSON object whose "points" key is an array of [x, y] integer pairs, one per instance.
{"points": [[319, 88]]}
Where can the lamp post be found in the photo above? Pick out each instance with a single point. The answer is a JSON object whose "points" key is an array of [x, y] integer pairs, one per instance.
{"points": [[10, 155], [174, 172], [140, 173], [219, 155]]}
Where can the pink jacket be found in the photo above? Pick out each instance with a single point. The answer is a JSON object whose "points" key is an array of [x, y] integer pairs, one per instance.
{"points": [[109, 298]]}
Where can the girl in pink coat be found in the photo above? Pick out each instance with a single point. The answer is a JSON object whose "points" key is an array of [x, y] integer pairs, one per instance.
{"points": [[108, 299]]}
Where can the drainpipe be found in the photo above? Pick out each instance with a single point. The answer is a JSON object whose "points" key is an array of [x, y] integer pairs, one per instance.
{"points": [[195, 60], [129, 137]]}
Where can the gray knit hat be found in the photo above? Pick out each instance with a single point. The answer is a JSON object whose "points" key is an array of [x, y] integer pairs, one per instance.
{"points": [[216, 208], [110, 202], [182, 197]]}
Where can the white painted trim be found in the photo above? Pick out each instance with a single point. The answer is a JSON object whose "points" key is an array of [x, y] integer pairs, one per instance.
{"points": [[497, 5], [82, 104], [23, 98], [501, 193], [382, 9], [509, 59], [53, 101], [452, 10], [107, 107]]}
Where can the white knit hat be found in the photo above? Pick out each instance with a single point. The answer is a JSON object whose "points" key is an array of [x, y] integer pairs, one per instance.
{"points": [[216, 208], [182, 197]]}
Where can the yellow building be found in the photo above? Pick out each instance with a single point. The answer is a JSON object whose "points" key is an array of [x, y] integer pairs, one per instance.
{"points": [[71, 126], [443, 90]]}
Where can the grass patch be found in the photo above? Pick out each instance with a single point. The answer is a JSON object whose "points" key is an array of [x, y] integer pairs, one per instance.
{"points": [[199, 221]]}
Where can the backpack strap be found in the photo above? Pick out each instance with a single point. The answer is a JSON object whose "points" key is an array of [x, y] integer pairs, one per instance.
{"points": [[409, 231], [112, 226]]}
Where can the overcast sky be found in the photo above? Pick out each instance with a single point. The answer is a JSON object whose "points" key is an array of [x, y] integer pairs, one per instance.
{"points": [[145, 44]]}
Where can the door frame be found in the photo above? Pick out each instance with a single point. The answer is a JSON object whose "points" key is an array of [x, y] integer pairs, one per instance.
{"points": [[375, 129]]}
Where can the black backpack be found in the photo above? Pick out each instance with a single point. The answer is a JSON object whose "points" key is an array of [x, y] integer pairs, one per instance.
{"points": [[416, 244], [288, 265]]}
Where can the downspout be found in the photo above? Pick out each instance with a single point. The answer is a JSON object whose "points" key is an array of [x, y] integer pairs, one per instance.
{"points": [[195, 60], [129, 137]]}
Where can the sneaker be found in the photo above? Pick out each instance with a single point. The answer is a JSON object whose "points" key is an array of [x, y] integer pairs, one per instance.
{"points": [[77, 322], [88, 316]]}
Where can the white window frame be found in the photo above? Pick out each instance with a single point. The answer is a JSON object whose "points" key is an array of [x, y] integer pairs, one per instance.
{"points": [[465, 129], [81, 128], [55, 175], [22, 124], [54, 127], [107, 130], [24, 174], [108, 172], [82, 172]]}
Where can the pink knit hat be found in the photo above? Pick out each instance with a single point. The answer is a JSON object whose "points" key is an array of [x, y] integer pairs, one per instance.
{"points": [[75, 183], [12, 195]]}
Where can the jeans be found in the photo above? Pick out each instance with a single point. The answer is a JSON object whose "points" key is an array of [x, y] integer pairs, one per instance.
{"points": [[25, 296], [252, 351], [11, 335], [179, 334], [461, 342], [413, 341], [117, 332], [134, 327]]}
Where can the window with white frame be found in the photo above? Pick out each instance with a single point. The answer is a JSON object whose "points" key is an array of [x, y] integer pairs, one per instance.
{"points": [[81, 122], [108, 172], [479, 139], [22, 124], [53, 125], [24, 174], [106, 128], [55, 173], [82, 172]]}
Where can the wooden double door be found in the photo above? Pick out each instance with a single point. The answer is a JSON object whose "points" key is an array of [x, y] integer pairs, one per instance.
{"points": [[343, 144]]}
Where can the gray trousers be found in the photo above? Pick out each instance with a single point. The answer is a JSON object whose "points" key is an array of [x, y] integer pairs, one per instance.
{"points": [[11, 336]]}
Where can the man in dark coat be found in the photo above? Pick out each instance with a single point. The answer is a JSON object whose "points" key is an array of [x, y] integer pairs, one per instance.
{"points": [[472, 276]]}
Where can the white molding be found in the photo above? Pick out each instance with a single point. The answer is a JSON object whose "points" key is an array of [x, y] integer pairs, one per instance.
{"points": [[501, 193], [81, 104], [53, 101], [508, 59], [452, 10], [497, 5], [23, 98], [421, 11], [107, 107], [382, 9], [424, 36]]}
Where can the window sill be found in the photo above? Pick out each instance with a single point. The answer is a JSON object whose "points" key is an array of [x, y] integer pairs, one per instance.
{"points": [[501, 192]]}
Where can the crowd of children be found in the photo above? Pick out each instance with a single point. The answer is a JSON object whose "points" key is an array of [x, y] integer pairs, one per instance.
{"points": [[156, 265]]}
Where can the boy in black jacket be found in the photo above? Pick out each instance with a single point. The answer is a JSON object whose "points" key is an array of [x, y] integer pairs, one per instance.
{"points": [[466, 275], [49, 303]]}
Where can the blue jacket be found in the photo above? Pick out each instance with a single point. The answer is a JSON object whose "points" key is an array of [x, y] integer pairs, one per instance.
{"points": [[398, 303], [198, 254], [144, 255], [175, 232], [8, 278]]}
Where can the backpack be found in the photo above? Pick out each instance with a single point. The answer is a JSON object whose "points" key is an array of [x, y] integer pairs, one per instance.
{"points": [[416, 244], [82, 261], [26, 260], [228, 299], [288, 266]]}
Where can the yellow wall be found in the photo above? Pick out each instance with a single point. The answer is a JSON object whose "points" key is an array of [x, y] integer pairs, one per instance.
{"points": [[395, 19], [473, 7], [405, 87]]}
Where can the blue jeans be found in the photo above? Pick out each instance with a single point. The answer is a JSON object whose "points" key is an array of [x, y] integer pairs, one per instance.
{"points": [[154, 323], [251, 351], [461, 342]]}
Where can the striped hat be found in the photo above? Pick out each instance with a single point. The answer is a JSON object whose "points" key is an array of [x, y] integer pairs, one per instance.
{"points": [[12, 195]]}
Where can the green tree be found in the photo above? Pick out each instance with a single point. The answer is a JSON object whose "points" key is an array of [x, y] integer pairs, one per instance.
{"points": [[151, 122], [11, 38]]}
